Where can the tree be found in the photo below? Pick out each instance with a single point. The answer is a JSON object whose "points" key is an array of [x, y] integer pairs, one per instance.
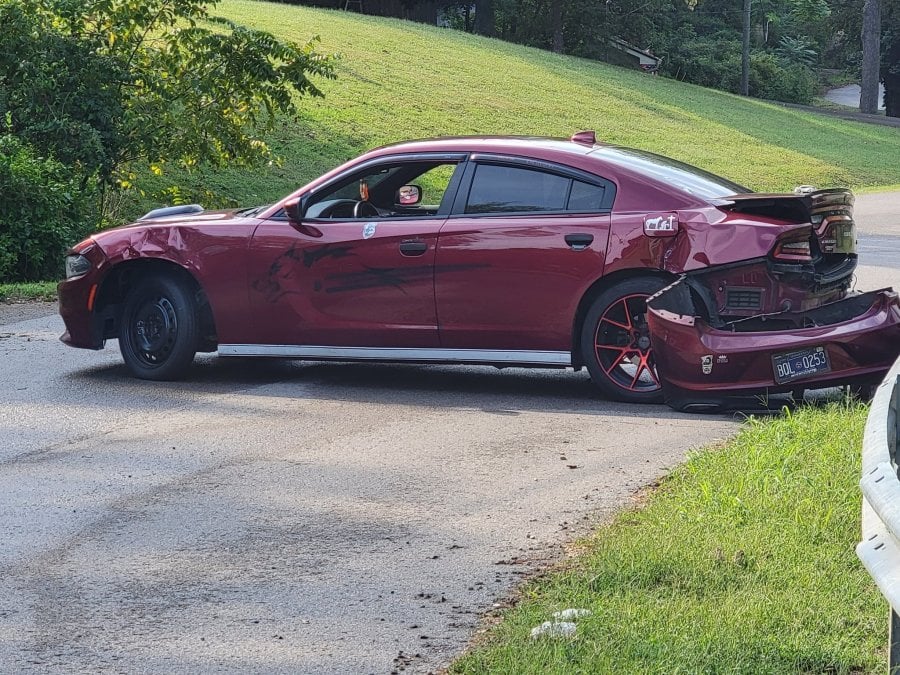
{"points": [[890, 60], [107, 84], [871, 49], [556, 21], [484, 17]]}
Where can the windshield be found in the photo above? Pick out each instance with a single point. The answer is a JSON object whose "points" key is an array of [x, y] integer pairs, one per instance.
{"points": [[677, 174]]}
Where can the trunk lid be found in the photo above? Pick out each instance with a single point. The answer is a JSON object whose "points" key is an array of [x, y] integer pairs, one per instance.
{"points": [[828, 212]]}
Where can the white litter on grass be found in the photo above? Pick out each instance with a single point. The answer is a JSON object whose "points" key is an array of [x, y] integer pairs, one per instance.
{"points": [[554, 629], [569, 614]]}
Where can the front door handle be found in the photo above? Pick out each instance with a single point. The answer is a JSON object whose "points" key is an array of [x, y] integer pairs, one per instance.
{"points": [[413, 248], [579, 241]]}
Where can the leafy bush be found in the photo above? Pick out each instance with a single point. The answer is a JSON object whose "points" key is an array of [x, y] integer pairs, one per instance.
{"points": [[713, 61], [716, 62], [772, 78], [43, 211], [797, 50]]}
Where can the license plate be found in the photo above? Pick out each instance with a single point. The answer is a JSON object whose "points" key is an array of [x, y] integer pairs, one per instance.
{"points": [[800, 364]]}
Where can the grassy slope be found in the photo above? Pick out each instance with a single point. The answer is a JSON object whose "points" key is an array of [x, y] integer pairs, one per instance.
{"points": [[400, 80], [742, 562]]}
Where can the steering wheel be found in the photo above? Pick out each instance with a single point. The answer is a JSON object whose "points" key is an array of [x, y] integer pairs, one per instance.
{"points": [[363, 209]]}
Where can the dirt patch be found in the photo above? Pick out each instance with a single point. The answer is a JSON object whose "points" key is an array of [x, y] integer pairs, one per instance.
{"points": [[13, 312]]}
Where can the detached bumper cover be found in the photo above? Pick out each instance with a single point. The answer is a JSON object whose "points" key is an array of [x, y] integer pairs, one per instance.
{"points": [[82, 329], [860, 335]]}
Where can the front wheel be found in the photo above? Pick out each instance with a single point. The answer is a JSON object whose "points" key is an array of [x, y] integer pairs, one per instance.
{"points": [[615, 342], [159, 331]]}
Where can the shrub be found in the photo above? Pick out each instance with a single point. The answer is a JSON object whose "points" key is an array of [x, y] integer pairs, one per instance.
{"points": [[43, 211], [772, 78], [715, 62]]}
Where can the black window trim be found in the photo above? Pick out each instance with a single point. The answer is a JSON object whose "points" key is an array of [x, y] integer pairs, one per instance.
{"points": [[462, 194]]}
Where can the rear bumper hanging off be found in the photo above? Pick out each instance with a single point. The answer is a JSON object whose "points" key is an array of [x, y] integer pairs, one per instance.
{"points": [[851, 341]]}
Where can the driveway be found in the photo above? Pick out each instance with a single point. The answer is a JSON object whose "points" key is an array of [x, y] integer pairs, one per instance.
{"points": [[270, 516], [849, 95]]}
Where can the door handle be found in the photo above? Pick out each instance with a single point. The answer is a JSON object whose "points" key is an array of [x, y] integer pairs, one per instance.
{"points": [[413, 248], [579, 241]]}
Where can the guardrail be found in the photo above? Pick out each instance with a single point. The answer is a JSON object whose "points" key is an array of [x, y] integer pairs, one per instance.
{"points": [[879, 549]]}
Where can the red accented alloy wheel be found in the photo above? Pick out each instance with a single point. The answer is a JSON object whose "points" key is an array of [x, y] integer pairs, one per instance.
{"points": [[622, 345], [615, 341]]}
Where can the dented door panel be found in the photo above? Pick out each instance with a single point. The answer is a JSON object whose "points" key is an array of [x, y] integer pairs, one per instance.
{"points": [[345, 283]]}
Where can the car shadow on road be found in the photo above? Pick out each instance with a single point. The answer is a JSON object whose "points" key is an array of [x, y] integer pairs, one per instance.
{"points": [[510, 391]]}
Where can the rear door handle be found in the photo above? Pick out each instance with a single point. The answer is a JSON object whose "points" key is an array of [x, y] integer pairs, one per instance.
{"points": [[579, 241], [413, 248]]}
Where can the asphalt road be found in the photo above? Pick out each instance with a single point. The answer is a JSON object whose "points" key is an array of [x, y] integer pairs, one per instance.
{"points": [[276, 516], [270, 516]]}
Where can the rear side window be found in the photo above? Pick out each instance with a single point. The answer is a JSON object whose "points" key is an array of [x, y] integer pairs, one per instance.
{"points": [[507, 189], [504, 189], [586, 197]]}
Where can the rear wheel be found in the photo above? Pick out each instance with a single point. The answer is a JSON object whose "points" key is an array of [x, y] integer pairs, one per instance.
{"points": [[615, 341], [159, 329]]}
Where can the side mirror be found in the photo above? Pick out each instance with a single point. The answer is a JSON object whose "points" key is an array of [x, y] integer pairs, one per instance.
{"points": [[408, 195], [294, 210]]}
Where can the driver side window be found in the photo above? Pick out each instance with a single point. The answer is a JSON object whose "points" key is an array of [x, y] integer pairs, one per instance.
{"points": [[376, 192]]}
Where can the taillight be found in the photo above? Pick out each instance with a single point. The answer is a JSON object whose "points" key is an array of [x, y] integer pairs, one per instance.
{"points": [[794, 247], [837, 233]]}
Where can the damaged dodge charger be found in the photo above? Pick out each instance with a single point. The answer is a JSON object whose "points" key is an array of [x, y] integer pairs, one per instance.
{"points": [[658, 277]]}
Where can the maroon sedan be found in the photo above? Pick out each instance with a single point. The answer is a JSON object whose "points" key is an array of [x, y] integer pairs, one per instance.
{"points": [[500, 251]]}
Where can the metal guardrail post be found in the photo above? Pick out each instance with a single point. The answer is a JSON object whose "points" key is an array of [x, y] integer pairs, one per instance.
{"points": [[893, 643], [879, 549], [893, 437]]}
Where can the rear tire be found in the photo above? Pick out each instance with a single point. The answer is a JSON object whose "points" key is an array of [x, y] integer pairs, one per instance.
{"points": [[159, 330], [615, 341]]}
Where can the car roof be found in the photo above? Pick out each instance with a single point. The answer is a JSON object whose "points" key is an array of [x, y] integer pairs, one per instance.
{"points": [[605, 159], [582, 151], [500, 144]]}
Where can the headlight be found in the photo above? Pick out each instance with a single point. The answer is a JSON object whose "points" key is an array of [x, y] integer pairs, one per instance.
{"points": [[77, 265]]}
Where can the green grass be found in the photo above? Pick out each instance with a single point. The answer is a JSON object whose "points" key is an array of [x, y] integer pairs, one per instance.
{"points": [[21, 292], [741, 562], [399, 80]]}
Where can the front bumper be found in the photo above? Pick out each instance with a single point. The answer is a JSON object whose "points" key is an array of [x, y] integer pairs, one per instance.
{"points": [[697, 363], [75, 308]]}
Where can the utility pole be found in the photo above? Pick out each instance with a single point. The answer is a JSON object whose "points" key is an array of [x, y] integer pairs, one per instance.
{"points": [[871, 57], [745, 52]]}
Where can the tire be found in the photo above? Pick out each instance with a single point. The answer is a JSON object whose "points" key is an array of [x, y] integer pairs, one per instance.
{"points": [[615, 342], [159, 330], [863, 393]]}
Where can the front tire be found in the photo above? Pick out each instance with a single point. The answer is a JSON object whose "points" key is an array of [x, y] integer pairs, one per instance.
{"points": [[159, 330], [615, 342]]}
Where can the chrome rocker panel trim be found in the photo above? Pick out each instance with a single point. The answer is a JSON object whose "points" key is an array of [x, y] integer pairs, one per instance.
{"points": [[437, 355]]}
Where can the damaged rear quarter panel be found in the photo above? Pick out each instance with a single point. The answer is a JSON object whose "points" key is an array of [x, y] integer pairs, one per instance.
{"points": [[706, 237], [212, 248]]}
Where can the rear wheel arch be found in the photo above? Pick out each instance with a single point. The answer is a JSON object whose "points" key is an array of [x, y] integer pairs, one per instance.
{"points": [[598, 287]]}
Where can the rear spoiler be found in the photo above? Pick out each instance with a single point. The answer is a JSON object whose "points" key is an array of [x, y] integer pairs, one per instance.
{"points": [[800, 207]]}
